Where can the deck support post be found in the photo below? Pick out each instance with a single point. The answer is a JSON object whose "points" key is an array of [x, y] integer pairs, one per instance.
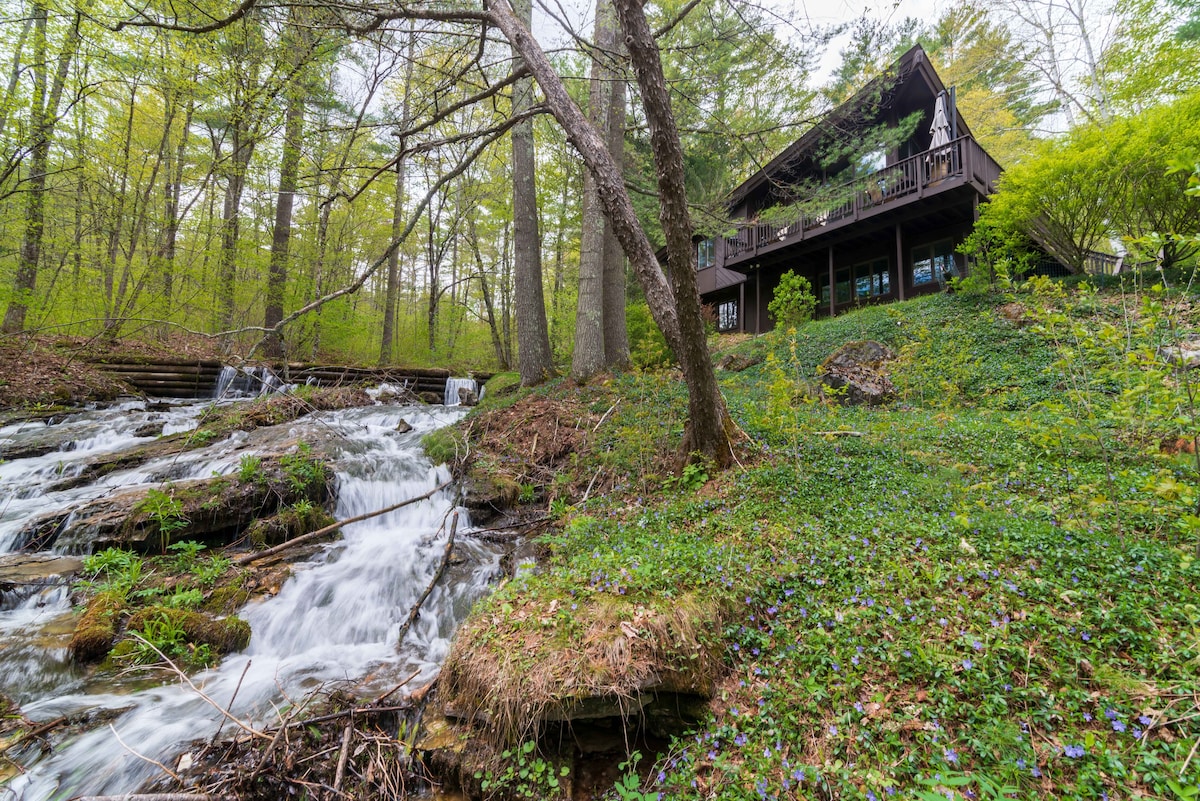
{"points": [[899, 264], [832, 286]]}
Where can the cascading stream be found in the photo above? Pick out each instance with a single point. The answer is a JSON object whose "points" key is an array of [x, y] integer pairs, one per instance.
{"points": [[335, 621]]}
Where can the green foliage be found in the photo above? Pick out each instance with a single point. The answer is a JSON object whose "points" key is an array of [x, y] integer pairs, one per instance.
{"points": [[793, 303], [693, 477], [250, 470], [185, 554], [443, 446], [302, 470], [166, 511], [990, 592], [113, 569], [524, 774], [1076, 193], [647, 347], [629, 786]]}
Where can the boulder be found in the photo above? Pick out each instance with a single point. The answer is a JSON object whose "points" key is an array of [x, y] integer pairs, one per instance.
{"points": [[737, 362], [857, 374], [1186, 354], [403, 427], [467, 397]]}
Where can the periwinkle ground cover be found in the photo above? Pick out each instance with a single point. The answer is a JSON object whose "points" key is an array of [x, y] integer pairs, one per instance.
{"points": [[943, 606]]}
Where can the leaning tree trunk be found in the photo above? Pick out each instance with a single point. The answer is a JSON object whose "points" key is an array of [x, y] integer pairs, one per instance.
{"points": [[675, 309], [535, 361]]}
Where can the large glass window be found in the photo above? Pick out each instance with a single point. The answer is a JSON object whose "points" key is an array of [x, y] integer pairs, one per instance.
{"points": [[934, 262], [706, 254], [823, 289], [872, 279]]}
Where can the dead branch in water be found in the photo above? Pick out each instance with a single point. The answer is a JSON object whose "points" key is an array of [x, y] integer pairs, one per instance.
{"points": [[321, 532], [415, 612]]}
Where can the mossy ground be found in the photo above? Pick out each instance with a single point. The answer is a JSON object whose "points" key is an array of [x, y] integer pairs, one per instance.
{"points": [[986, 590]]}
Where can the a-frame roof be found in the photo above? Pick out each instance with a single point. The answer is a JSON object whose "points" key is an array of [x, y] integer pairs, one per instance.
{"points": [[864, 108]]}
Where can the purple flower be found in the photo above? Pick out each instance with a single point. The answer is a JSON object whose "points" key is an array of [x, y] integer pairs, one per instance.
{"points": [[740, 740], [967, 664], [1145, 720], [1087, 716], [977, 645], [1074, 751], [1118, 726], [833, 730], [1110, 713], [952, 756]]}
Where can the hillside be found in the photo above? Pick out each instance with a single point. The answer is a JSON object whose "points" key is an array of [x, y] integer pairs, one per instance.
{"points": [[985, 588]]}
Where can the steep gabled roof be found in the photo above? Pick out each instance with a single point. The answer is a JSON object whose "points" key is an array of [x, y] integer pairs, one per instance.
{"points": [[865, 107]]}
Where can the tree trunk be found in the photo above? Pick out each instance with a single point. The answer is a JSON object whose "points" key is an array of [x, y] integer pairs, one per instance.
{"points": [[588, 357], [708, 419], [616, 335], [289, 170], [172, 190], [676, 308], [44, 116], [392, 293], [535, 361], [239, 162]]}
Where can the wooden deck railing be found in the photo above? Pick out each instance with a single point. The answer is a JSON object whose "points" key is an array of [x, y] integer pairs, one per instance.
{"points": [[896, 184]]}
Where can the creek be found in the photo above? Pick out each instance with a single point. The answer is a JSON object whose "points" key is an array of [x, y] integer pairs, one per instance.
{"points": [[334, 623]]}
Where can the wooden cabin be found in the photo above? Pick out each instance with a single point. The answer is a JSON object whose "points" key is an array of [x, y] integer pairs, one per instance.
{"points": [[863, 227]]}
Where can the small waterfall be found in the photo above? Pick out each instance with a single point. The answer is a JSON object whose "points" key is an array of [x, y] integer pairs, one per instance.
{"points": [[246, 382], [453, 385], [336, 620]]}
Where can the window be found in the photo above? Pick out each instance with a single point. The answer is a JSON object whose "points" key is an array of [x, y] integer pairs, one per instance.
{"points": [[872, 279], [706, 254], [934, 262], [842, 289], [727, 316], [823, 289]]}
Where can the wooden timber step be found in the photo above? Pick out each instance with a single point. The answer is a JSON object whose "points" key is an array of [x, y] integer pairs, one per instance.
{"points": [[197, 378]]}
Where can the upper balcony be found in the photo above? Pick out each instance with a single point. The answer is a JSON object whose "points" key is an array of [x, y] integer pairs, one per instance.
{"points": [[961, 162]]}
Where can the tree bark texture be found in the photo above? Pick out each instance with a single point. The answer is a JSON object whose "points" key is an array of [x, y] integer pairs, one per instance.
{"points": [[392, 290], [616, 334], [535, 361], [707, 416], [610, 184], [588, 357], [44, 116], [289, 172], [675, 308]]}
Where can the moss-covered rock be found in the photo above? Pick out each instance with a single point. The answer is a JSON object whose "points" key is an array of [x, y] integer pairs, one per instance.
{"points": [[97, 628], [222, 634]]}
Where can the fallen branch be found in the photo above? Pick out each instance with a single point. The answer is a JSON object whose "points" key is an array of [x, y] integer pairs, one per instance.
{"points": [[345, 754], [32, 733], [839, 433], [187, 680], [321, 532], [415, 612], [154, 797]]}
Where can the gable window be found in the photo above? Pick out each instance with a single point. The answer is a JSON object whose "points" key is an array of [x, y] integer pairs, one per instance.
{"points": [[706, 254], [872, 279], [934, 262], [727, 316]]}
